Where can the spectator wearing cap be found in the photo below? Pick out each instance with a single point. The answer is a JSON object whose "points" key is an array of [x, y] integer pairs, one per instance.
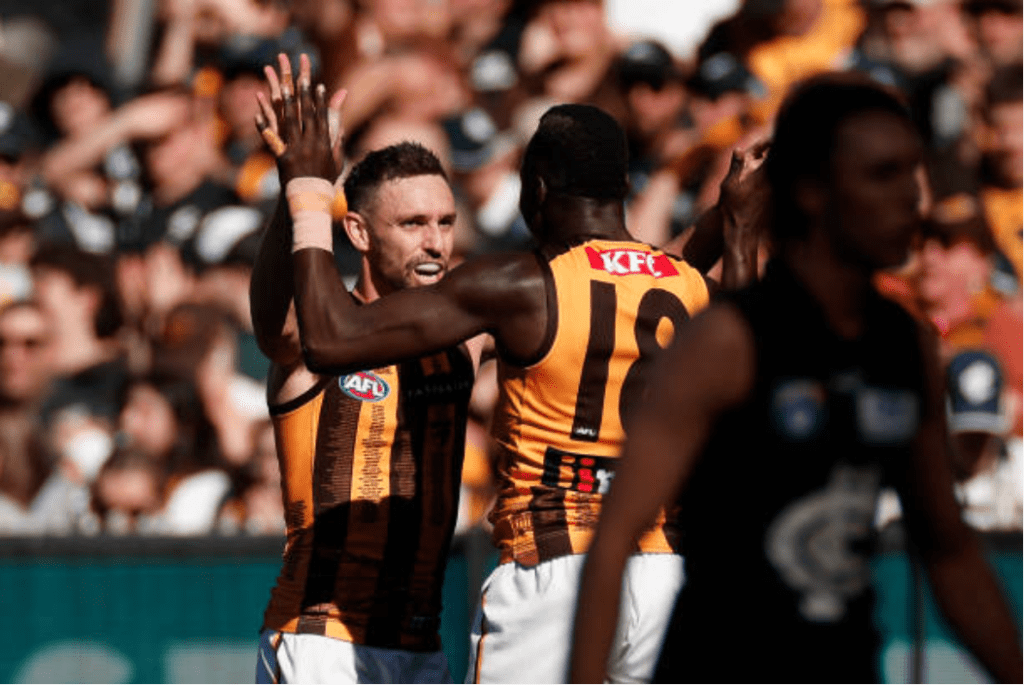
{"points": [[485, 162], [990, 490], [651, 85]]}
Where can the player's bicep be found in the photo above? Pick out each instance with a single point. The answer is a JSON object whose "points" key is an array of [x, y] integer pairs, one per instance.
{"points": [[708, 369]]}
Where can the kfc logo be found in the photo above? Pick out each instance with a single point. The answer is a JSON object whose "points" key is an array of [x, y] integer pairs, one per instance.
{"points": [[629, 262]]}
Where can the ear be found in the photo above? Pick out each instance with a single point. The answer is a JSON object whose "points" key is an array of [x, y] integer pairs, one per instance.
{"points": [[357, 230]]}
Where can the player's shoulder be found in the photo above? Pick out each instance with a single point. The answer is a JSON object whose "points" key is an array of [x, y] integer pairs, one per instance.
{"points": [[499, 282]]}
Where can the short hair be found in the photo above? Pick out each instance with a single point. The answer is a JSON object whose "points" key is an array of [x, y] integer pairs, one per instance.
{"points": [[86, 269], [579, 150], [806, 133], [402, 160], [1005, 86]]}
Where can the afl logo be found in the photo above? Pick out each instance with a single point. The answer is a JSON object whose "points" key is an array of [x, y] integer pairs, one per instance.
{"points": [[364, 386]]}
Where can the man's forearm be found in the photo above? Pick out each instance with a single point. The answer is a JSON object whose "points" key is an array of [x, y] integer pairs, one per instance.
{"points": [[270, 290]]}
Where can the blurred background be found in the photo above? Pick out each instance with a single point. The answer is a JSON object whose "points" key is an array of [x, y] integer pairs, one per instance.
{"points": [[141, 522]]}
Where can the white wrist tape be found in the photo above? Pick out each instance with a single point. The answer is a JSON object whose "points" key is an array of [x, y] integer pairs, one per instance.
{"points": [[309, 201]]}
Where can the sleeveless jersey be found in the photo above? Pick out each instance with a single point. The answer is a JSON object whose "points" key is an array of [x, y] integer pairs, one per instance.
{"points": [[559, 421], [778, 512], [370, 466]]}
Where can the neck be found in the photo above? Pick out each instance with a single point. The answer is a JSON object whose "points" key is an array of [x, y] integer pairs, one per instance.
{"points": [[569, 220], [841, 289], [366, 288]]}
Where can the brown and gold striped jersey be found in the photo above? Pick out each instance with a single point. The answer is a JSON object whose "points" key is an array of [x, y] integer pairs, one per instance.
{"points": [[560, 418], [370, 467]]}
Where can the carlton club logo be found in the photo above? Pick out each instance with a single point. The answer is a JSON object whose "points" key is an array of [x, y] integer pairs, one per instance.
{"points": [[629, 262], [364, 386]]}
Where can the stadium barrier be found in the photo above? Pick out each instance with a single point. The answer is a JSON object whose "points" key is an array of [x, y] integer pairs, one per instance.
{"points": [[157, 610]]}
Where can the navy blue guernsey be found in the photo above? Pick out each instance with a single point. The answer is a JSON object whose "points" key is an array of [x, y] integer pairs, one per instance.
{"points": [[777, 515]]}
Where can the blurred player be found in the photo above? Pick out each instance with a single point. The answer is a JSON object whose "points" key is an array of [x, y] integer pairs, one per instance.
{"points": [[776, 416], [370, 458], [576, 324]]}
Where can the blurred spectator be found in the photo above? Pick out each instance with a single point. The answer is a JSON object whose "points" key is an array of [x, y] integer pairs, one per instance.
{"points": [[997, 27], [128, 493], [567, 52], [256, 505], [1004, 162], [200, 342], [991, 487], [26, 367], [485, 165], [652, 87], [785, 41], [163, 418], [76, 292]]}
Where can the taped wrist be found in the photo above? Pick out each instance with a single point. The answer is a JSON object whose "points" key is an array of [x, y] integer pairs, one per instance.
{"points": [[310, 200]]}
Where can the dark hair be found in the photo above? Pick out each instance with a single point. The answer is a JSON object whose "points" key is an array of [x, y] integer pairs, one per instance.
{"points": [[87, 270], [578, 150], [1005, 86], [195, 446], [402, 160], [806, 134]]}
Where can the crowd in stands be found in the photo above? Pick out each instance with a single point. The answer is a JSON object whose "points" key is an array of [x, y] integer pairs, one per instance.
{"points": [[131, 390]]}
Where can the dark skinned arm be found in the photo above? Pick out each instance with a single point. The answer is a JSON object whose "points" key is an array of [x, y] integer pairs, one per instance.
{"points": [[270, 289], [499, 294], [706, 369], [965, 589], [734, 228]]}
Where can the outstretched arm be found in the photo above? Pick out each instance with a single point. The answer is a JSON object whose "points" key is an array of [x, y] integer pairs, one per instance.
{"points": [[964, 586], [270, 289], [708, 368], [504, 294]]}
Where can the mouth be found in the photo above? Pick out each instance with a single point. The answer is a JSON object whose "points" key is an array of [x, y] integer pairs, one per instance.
{"points": [[429, 270]]}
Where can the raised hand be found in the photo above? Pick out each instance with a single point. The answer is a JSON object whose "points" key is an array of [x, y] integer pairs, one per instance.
{"points": [[302, 129], [744, 190], [743, 202]]}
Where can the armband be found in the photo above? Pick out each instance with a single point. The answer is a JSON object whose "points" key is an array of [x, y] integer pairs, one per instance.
{"points": [[310, 201]]}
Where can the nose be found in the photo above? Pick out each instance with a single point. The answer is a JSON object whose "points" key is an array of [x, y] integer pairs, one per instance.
{"points": [[433, 238]]}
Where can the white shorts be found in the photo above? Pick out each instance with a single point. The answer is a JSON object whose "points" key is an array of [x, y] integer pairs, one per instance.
{"points": [[523, 627], [292, 658]]}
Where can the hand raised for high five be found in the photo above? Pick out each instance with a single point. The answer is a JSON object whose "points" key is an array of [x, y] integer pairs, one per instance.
{"points": [[299, 125]]}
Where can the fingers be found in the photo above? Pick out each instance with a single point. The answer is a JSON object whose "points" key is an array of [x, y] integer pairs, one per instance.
{"points": [[267, 111], [322, 124], [305, 86], [290, 124], [269, 135], [273, 82]]}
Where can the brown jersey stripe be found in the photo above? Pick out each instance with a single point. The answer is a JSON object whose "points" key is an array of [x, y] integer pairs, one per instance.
{"points": [[586, 424], [388, 605], [332, 480]]}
